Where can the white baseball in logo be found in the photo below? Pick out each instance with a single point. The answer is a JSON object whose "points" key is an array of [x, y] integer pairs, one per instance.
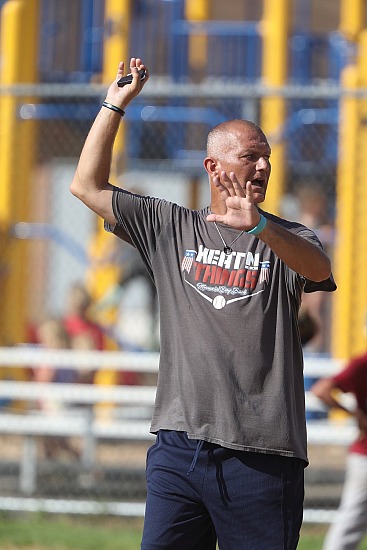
{"points": [[219, 302]]}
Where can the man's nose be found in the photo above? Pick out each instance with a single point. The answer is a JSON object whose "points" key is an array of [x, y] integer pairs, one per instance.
{"points": [[261, 163]]}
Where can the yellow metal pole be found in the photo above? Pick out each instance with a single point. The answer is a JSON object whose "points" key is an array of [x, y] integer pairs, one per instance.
{"points": [[275, 29], [351, 17], [359, 191], [116, 44], [18, 47], [348, 178], [104, 273], [197, 10], [115, 49], [350, 256]]}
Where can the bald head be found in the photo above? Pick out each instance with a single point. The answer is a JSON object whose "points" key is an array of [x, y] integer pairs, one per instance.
{"points": [[237, 149], [221, 137]]}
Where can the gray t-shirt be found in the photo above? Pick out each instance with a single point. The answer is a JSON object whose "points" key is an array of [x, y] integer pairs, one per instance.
{"points": [[231, 365]]}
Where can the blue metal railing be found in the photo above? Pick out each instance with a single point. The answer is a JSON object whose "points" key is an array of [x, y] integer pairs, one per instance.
{"points": [[233, 49], [161, 35], [71, 43]]}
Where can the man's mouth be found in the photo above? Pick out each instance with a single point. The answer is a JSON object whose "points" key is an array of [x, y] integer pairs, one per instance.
{"points": [[258, 183]]}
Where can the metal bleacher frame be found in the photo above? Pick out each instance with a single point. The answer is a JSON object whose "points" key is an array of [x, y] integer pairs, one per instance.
{"points": [[134, 405]]}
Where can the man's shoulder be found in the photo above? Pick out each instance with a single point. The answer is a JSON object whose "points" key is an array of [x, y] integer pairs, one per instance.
{"points": [[291, 225], [128, 197]]}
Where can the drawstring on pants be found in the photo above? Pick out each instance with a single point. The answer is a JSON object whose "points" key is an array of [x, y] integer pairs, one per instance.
{"points": [[199, 446], [220, 479], [225, 498]]}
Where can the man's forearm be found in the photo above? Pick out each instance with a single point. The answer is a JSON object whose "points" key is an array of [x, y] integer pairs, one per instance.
{"points": [[296, 252], [90, 182], [95, 160]]}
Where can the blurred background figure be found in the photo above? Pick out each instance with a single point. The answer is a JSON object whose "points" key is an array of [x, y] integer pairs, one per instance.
{"points": [[307, 325], [83, 331], [310, 205], [84, 341], [128, 307], [350, 524], [77, 319], [53, 336], [314, 213]]}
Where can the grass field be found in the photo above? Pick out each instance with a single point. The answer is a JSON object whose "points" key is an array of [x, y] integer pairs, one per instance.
{"points": [[39, 532]]}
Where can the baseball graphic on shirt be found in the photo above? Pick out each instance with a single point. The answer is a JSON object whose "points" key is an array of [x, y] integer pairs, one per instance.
{"points": [[219, 302]]}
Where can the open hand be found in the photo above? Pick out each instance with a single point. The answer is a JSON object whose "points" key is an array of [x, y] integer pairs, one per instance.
{"points": [[242, 212]]}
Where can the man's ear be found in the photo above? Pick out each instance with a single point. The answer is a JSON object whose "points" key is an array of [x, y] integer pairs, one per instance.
{"points": [[210, 166]]}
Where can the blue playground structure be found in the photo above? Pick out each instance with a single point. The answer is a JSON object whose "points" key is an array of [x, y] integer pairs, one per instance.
{"points": [[161, 35]]}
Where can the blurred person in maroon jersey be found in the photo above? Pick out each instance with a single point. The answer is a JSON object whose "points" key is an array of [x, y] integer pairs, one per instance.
{"points": [[350, 523], [77, 320], [51, 335]]}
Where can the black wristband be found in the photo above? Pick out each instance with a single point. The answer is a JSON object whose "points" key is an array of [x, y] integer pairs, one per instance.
{"points": [[113, 108]]}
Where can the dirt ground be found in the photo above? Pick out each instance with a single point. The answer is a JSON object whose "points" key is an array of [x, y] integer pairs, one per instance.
{"points": [[327, 456]]}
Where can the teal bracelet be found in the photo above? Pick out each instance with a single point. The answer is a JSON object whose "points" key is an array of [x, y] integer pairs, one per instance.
{"points": [[259, 227]]}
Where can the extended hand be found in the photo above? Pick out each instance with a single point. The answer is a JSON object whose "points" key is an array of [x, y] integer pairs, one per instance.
{"points": [[242, 212]]}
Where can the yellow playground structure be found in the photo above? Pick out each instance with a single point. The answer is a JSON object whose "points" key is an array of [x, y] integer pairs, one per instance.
{"points": [[20, 53]]}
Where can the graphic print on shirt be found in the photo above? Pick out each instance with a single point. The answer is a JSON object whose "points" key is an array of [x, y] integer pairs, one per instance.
{"points": [[223, 279]]}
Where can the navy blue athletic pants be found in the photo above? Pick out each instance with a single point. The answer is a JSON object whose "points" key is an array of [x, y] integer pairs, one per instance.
{"points": [[198, 492]]}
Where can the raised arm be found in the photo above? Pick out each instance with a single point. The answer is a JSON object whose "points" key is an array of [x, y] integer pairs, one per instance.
{"points": [[90, 182]]}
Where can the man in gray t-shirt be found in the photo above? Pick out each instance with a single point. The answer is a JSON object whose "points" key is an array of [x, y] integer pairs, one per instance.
{"points": [[230, 396]]}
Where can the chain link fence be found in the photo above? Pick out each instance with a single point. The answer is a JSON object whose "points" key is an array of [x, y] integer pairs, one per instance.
{"points": [[84, 453], [164, 133]]}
